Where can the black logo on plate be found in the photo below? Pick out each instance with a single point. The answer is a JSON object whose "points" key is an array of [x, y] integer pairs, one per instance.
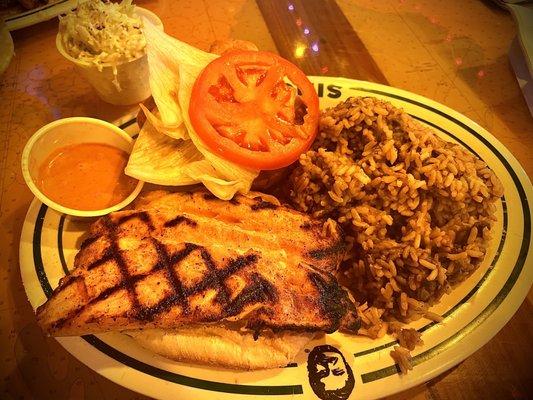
{"points": [[330, 376]]}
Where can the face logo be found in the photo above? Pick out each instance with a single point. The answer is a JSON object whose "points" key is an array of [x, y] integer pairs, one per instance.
{"points": [[330, 376]]}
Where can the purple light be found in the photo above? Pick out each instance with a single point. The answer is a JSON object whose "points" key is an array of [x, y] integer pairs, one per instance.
{"points": [[291, 7], [306, 31], [314, 47]]}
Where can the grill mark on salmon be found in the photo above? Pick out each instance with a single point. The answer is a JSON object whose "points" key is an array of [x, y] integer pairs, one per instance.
{"points": [[223, 293], [263, 205], [260, 291], [177, 297], [167, 263], [213, 277], [117, 256], [178, 220], [142, 215], [108, 256]]}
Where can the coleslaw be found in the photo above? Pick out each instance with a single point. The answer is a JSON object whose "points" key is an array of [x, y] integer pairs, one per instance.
{"points": [[103, 33]]}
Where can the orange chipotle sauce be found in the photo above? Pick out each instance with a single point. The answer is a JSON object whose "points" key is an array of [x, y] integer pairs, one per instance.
{"points": [[86, 176]]}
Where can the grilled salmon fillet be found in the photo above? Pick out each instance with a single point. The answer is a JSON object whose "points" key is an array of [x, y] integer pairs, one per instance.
{"points": [[183, 259]]}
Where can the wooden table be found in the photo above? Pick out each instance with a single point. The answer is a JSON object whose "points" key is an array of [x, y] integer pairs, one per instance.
{"points": [[454, 52]]}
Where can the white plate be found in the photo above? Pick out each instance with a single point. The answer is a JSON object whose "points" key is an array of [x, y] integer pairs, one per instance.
{"points": [[473, 313], [40, 14]]}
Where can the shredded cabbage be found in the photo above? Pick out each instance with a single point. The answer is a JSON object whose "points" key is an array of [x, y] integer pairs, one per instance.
{"points": [[158, 158], [103, 33]]}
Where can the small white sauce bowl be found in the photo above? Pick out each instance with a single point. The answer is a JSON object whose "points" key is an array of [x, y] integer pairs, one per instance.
{"points": [[66, 132]]}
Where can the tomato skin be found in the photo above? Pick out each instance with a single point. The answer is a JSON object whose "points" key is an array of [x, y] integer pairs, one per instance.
{"points": [[247, 117]]}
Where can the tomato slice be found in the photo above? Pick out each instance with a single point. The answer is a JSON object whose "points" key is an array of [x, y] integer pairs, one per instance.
{"points": [[254, 108]]}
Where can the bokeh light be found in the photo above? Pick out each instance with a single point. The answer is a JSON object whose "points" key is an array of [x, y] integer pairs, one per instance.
{"points": [[299, 50]]}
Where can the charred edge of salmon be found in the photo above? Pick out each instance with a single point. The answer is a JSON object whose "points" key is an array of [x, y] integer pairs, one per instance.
{"points": [[68, 280], [336, 249], [306, 226], [257, 326], [64, 282], [87, 242], [179, 219], [351, 321], [321, 253], [332, 299]]}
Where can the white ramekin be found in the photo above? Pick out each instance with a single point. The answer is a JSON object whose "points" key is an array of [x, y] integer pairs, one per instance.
{"points": [[132, 76], [65, 132]]}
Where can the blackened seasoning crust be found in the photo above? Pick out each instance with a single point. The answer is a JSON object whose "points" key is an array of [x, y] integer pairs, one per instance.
{"points": [[178, 220], [142, 215], [263, 205], [306, 226], [332, 298], [321, 253]]}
